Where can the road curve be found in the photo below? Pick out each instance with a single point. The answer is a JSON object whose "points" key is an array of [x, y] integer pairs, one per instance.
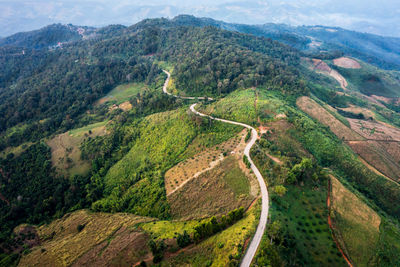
{"points": [[255, 242]]}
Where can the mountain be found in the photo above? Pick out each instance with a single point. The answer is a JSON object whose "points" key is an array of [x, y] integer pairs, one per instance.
{"points": [[153, 144], [380, 51], [51, 35]]}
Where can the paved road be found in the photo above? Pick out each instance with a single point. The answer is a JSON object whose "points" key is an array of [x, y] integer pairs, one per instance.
{"points": [[255, 242]]}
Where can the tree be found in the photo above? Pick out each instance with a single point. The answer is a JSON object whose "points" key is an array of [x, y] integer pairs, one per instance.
{"points": [[183, 239], [280, 190]]}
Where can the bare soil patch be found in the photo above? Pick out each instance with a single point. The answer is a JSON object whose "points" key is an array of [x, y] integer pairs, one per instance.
{"points": [[347, 63], [316, 111], [386, 100]]}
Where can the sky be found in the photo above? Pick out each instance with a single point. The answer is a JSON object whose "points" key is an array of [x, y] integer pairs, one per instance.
{"points": [[374, 16]]}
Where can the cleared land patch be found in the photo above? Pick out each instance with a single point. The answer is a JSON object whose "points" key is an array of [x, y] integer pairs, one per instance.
{"points": [[316, 111], [321, 67], [356, 224], [83, 238], [375, 130], [214, 192], [347, 63], [375, 154], [202, 162], [367, 113], [65, 152], [122, 93]]}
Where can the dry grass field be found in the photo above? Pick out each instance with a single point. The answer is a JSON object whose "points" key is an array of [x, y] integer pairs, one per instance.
{"points": [[347, 63], [205, 160], [214, 192], [376, 143], [377, 155], [374, 130], [356, 224], [359, 110], [65, 152], [105, 240], [316, 111]]}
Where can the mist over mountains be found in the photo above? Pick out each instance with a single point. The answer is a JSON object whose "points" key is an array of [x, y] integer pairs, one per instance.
{"points": [[378, 17]]}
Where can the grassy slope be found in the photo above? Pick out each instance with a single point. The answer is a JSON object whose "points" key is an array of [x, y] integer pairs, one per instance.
{"points": [[215, 192], [218, 249], [123, 93], [65, 149], [136, 182], [356, 223], [371, 80]]}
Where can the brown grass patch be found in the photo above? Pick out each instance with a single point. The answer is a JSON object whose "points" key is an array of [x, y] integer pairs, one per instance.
{"points": [[386, 100], [321, 67], [356, 223], [316, 111], [65, 152], [214, 192], [375, 130], [359, 110], [106, 239], [125, 106], [377, 155], [347, 63], [204, 161]]}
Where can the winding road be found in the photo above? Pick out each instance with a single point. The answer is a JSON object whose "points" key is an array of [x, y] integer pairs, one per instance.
{"points": [[255, 242]]}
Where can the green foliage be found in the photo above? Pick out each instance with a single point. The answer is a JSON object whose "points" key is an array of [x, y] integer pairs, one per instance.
{"points": [[330, 152], [213, 226], [135, 183], [246, 161], [226, 61], [157, 248], [370, 80], [248, 135], [305, 170], [298, 233], [183, 240], [280, 190], [31, 192]]}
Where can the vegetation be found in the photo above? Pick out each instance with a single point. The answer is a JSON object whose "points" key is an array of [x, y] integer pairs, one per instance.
{"points": [[61, 97], [213, 226]]}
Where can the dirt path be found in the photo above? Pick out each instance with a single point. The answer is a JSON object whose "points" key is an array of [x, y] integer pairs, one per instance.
{"points": [[255, 242]]}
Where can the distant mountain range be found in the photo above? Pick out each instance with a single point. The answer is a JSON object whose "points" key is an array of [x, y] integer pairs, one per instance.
{"points": [[318, 41]]}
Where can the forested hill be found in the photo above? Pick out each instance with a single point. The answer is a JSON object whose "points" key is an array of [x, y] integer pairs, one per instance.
{"points": [[57, 86], [383, 52], [51, 35]]}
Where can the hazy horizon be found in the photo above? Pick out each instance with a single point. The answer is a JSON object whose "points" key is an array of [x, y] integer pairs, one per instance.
{"points": [[377, 17]]}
